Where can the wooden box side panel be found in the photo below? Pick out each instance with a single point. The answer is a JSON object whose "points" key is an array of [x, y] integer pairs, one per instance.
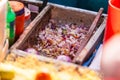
{"points": [[91, 45], [68, 16]]}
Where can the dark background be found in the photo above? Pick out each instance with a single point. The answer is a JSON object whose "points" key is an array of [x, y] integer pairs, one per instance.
{"points": [[93, 5]]}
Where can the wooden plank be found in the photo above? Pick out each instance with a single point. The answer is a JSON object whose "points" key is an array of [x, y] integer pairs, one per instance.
{"points": [[86, 50], [94, 24], [88, 36], [41, 58]]}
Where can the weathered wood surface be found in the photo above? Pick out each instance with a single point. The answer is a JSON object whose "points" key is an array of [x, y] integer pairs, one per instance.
{"points": [[66, 15], [79, 54], [91, 45]]}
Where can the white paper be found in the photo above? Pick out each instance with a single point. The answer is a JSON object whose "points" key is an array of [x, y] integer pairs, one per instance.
{"points": [[95, 65]]}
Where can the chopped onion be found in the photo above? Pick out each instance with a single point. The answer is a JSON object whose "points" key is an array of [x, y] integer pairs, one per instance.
{"points": [[31, 50], [64, 58]]}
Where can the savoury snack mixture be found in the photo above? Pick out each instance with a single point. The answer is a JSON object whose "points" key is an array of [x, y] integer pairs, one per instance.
{"points": [[58, 40]]}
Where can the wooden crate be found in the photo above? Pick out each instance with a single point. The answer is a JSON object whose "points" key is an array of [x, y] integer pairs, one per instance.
{"points": [[65, 15]]}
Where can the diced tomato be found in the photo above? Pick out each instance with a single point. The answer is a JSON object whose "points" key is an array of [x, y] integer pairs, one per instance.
{"points": [[43, 76]]}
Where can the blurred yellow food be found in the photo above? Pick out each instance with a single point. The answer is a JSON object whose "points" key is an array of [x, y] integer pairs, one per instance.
{"points": [[30, 68]]}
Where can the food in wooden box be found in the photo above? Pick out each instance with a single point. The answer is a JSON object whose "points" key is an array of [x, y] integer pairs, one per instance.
{"points": [[30, 68], [59, 41]]}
